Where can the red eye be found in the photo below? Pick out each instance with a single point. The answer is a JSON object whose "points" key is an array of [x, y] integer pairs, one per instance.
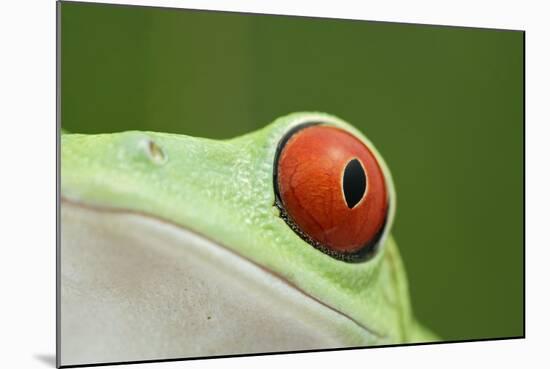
{"points": [[331, 191]]}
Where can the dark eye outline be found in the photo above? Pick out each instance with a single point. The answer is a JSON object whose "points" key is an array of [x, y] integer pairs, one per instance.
{"points": [[365, 253]]}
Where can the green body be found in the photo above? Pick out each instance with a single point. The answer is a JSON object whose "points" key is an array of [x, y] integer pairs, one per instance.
{"points": [[223, 190]]}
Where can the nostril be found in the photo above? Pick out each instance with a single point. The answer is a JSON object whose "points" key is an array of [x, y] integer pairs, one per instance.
{"points": [[155, 152]]}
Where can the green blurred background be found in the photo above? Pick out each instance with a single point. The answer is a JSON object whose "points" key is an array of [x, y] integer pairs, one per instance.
{"points": [[444, 106]]}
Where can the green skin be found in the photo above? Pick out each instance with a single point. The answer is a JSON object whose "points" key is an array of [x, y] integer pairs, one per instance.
{"points": [[223, 190]]}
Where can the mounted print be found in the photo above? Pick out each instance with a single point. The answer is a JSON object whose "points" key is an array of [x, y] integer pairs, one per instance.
{"points": [[236, 184]]}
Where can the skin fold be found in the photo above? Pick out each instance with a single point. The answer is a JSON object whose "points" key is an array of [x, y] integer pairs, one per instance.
{"points": [[220, 191]]}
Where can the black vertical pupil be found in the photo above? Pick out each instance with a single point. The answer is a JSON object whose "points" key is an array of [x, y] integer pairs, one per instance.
{"points": [[355, 183]]}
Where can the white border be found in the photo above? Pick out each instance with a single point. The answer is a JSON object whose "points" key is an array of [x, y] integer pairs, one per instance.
{"points": [[27, 67], [491, 14]]}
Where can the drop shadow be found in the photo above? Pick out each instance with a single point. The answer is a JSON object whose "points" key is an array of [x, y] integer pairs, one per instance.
{"points": [[48, 359]]}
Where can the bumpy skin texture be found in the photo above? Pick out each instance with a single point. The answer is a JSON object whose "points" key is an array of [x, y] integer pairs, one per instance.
{"points": [[224, 191]]}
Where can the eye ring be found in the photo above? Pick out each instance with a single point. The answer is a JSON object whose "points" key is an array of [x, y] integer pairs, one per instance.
{"points": [[311, 222]]}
